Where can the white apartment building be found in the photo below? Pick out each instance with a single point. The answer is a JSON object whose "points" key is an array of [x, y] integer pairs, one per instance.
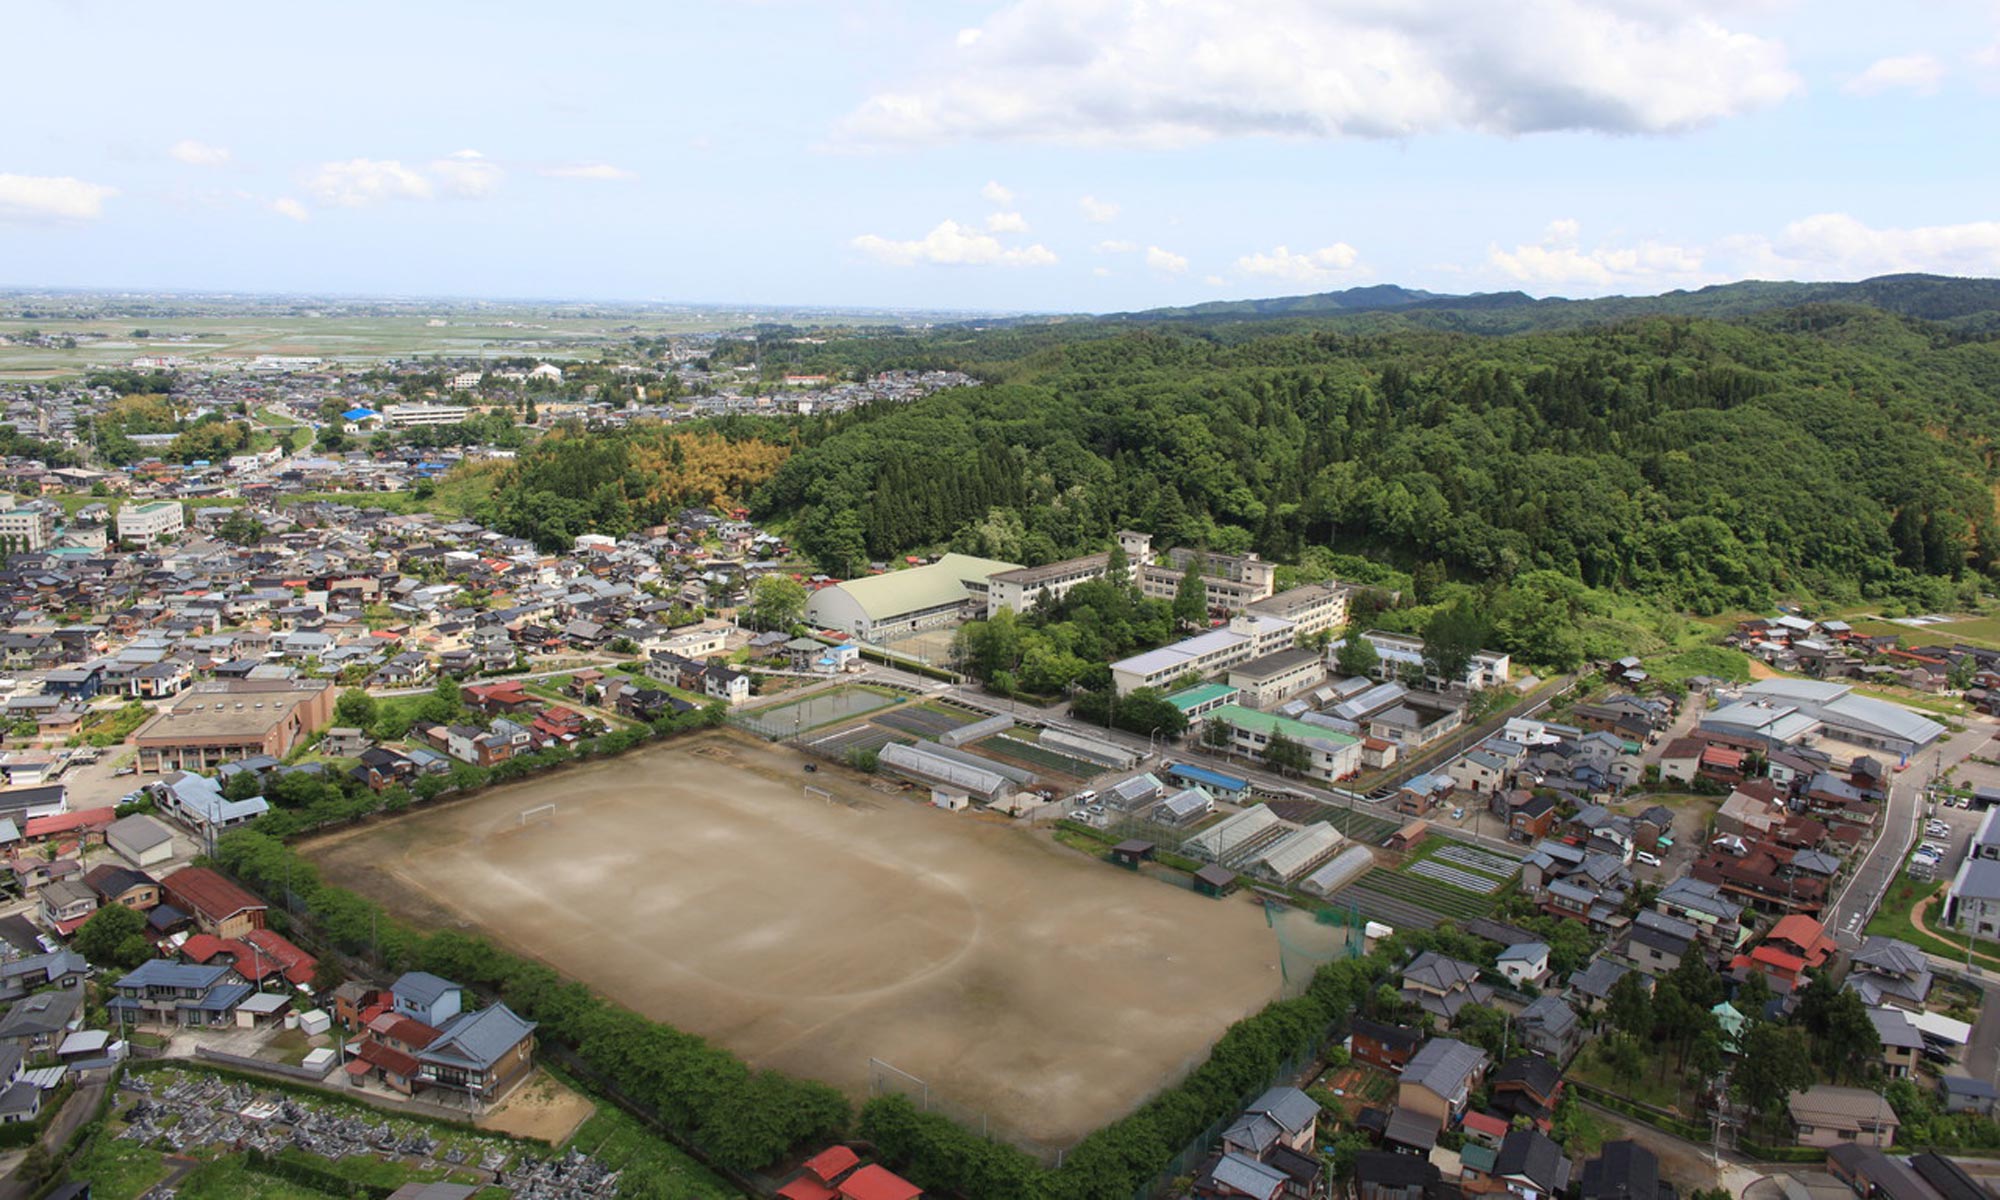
{"points": [[395, 415], [150, 524], [25, 527]]}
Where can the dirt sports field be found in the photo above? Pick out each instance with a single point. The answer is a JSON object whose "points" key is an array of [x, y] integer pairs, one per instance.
{"points": [[696, 883]]}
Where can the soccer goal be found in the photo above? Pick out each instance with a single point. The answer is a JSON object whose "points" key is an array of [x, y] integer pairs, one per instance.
{"points": [[538, 814], [821, 793]]}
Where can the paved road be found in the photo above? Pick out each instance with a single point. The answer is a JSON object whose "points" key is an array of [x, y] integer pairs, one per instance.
{"points": [[1857, 900]]}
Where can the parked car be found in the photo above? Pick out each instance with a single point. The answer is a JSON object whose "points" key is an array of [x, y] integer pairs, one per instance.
{"points": [[1458, 814], [125, 771], [1651, 860]]}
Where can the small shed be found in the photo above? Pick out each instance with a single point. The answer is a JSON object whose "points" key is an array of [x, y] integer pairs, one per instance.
{"points": [[1409, 835], [1212, 880], [1131, 852], [261, 1008]]}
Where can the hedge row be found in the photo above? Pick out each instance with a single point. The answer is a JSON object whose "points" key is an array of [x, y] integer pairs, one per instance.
{"points": [[1127, 1155]]}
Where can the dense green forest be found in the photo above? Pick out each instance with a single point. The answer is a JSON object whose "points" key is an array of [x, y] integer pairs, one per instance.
{"points": [[1832, 451]]}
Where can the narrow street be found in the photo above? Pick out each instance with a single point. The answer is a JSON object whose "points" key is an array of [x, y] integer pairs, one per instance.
{"points": [[1848, 915]]}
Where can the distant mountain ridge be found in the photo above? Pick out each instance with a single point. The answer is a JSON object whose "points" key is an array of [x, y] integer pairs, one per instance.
{"points": [[1927, 297]]}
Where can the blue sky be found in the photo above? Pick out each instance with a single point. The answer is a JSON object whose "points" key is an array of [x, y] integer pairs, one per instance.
{"points": [[1069, 155]]}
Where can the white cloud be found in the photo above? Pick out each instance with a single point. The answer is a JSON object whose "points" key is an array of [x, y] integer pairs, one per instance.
{"points": [[1164, 74], [1560, 258], [199, 154], [997, 194], [466, 173], [952, 244], [1006, 222], [51, 198], [1838, 246], [1095, 210], [602, 172], [1116, 247], [1215, 281], [1919, 73], [285, 206], [1825, 246], [1165, 260], [1101, 272], [363, 181], [1312, 266]]}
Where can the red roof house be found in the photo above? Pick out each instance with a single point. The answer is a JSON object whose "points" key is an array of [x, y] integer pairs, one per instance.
{"points": [[874, 1182], [218, 906]]}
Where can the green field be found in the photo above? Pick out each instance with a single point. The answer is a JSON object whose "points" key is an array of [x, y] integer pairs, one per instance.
{"points": [[492, 331]]}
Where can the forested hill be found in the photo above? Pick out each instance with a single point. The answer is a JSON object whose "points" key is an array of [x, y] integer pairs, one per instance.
{"points": [[1969, 304], [1827, 450]]}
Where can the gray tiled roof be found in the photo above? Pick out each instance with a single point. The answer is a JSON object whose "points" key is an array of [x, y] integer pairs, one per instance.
{"points": [[480, 1038], [1443, 1065]]}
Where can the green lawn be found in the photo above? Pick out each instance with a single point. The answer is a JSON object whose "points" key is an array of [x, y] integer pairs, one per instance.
{"points": [[1892, 919], [119, 1170], [1647, 1087], [622, 1144], [229, 1179]]}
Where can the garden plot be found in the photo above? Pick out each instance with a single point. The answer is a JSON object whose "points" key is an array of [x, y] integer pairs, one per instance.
{"points": [[1458, 877]]}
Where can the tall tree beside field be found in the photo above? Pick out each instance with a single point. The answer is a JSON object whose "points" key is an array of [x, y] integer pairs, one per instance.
{"points": [[777, 602]]}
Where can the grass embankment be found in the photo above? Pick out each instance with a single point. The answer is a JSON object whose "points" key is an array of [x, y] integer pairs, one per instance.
{"points": [[1897, 918]]}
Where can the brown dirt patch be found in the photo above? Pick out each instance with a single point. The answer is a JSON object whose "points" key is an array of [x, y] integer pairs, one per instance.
{"points": [[542, 1107], [1020, 980]]}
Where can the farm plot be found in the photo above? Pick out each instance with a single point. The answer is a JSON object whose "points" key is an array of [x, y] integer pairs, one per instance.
{"points": [[855, 739], [1457, 877], [1352, 823], [815, 711], [1008, 747], [924, 720]]}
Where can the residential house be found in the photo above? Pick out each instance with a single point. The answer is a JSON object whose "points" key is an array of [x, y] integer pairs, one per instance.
{"points": [[177, 994], [1902, 1044], [1524, 965], [1529, 1166], [218, 906], [1382, 1045], [1383, 1175], [1794, 945], [1442, 986], [1717, 918], [1550, 1026], [1440, 1078], [1656, 944], [65, 905], [1962, 1093], [38, 1022], [1623, 1170], [1889, 971], [1828, 1116], [483, 1054], [1525, 1086], [425, 997], [1590, 988], [114, 884]]}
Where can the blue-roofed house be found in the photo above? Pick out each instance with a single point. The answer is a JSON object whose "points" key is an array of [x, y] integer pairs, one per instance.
{"points": [[197, 802], [423, 996], [483, 1054], [170, 993]]}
